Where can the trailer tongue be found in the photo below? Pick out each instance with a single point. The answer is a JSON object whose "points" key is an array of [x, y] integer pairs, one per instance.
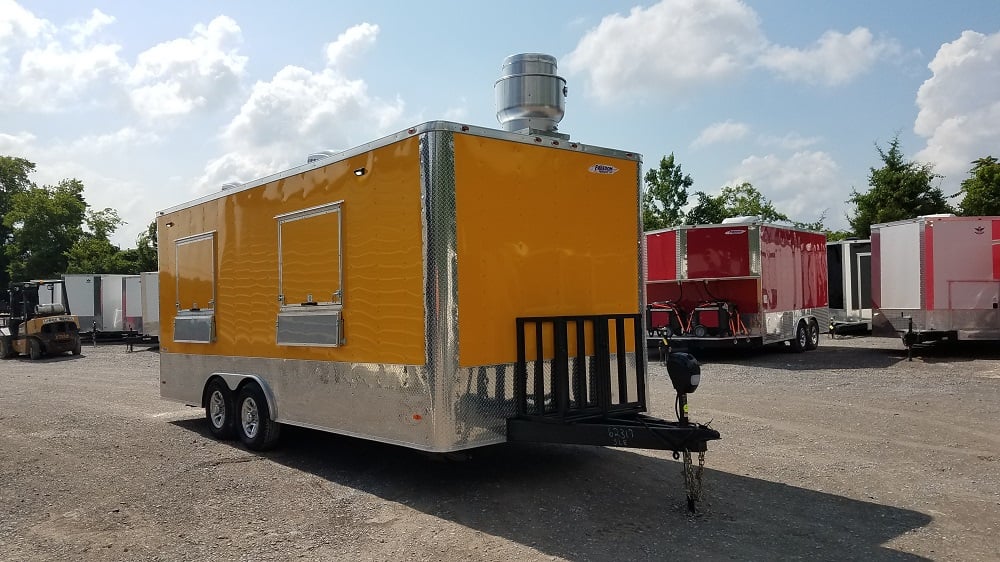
{"points": [[578, 399]]}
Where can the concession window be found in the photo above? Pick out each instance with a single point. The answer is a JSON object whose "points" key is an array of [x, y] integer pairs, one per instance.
{"points": [[310, 276], [195, 291]]}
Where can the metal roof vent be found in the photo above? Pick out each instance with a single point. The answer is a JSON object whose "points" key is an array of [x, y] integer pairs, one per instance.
{"points": [[231, 185], [741, 220], [320, 155], [530, 96]]}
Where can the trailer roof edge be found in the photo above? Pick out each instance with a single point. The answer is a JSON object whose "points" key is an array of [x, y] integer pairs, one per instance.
{"points": [[427, 127]]}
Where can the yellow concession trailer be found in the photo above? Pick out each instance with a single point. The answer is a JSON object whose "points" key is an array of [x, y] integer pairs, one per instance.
{"points": [[443, 288]]}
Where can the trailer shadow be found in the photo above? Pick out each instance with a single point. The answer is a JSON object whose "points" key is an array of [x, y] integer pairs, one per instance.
{"points": [[953, 351], [591, 503], [48, 358], [828, 355]]}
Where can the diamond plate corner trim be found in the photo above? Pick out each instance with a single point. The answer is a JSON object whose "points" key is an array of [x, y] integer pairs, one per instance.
{"points": [[437, 185]]}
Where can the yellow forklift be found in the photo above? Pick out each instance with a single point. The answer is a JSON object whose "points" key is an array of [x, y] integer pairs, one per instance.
{"points": [[35, 328]]}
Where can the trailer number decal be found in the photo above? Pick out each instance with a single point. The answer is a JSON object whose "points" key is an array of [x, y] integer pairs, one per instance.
{"points": [[620, 436], [736, 231], [602, 169]]}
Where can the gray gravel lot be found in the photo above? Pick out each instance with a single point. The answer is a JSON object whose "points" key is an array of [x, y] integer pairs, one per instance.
{"points": [[848, 452]]}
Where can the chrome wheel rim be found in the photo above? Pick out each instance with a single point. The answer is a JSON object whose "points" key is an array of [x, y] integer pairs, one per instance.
{"points": [[217, 409], [251, 417], [803, 337]]}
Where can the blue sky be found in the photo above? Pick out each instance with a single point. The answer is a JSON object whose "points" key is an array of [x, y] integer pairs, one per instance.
{"points": [[153, 104]]}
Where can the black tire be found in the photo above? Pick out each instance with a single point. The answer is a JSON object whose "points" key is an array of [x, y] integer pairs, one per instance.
{"points": [[6, 349], [34, 349], [813, 340], [254, 425], [801, 339], [220, 410]]}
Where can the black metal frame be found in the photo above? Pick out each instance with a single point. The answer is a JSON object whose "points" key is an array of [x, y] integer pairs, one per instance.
{"points": [[582, 407], [591, 395]]}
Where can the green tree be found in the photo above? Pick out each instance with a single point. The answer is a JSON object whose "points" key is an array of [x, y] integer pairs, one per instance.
{"points": [[834, 235], [665, 196], [981, 189], [45, 222], [708, 210], [146, 249], [738, 201], [93, 252], [745, 201], [899, 190], [13, 179]]}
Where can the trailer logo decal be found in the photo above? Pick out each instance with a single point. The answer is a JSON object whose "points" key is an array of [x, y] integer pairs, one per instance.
{"points": [[736, 231], [980, 229], [605, 169]]}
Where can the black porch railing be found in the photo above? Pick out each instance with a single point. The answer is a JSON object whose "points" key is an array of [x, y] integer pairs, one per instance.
{"points": [[580, 385]]}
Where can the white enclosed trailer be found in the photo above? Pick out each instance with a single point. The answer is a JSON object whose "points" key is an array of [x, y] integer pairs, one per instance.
{"points": [[83, 293], [132, 304], [936, 277], [150, 303], [849, 267]]}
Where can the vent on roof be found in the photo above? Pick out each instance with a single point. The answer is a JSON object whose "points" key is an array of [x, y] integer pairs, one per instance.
{"points": [[320, 155], [530, 96]]}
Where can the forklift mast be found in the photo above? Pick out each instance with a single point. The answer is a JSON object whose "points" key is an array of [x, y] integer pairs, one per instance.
{"points": [[24, 300]]}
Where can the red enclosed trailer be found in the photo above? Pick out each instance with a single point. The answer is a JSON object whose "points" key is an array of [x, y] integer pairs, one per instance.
{"points": [[936, 277], [740, 282]]}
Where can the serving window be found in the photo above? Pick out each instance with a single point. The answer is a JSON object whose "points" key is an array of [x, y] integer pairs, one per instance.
{"points": [[310, 276], [196, 277]]}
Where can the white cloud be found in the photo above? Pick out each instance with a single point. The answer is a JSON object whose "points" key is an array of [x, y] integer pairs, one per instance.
{"points": [[351, 44], [677, 46], [789, 141], [49, 75], [19, 26], [802, 186], [672, 47], [16, 143], [726, 131], [124, 138], [85, 30], [182, 75], [960, 106], [835, 59], [54, 77], [300, 111]]}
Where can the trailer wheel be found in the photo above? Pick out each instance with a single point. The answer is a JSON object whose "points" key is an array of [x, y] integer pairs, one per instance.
{"points": [[813, 336], [220, 411], [801, 341], [34, 349], [256, 428]]}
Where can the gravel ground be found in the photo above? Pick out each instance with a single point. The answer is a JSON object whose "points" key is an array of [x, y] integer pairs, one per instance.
{"points": [[847, 452]]}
